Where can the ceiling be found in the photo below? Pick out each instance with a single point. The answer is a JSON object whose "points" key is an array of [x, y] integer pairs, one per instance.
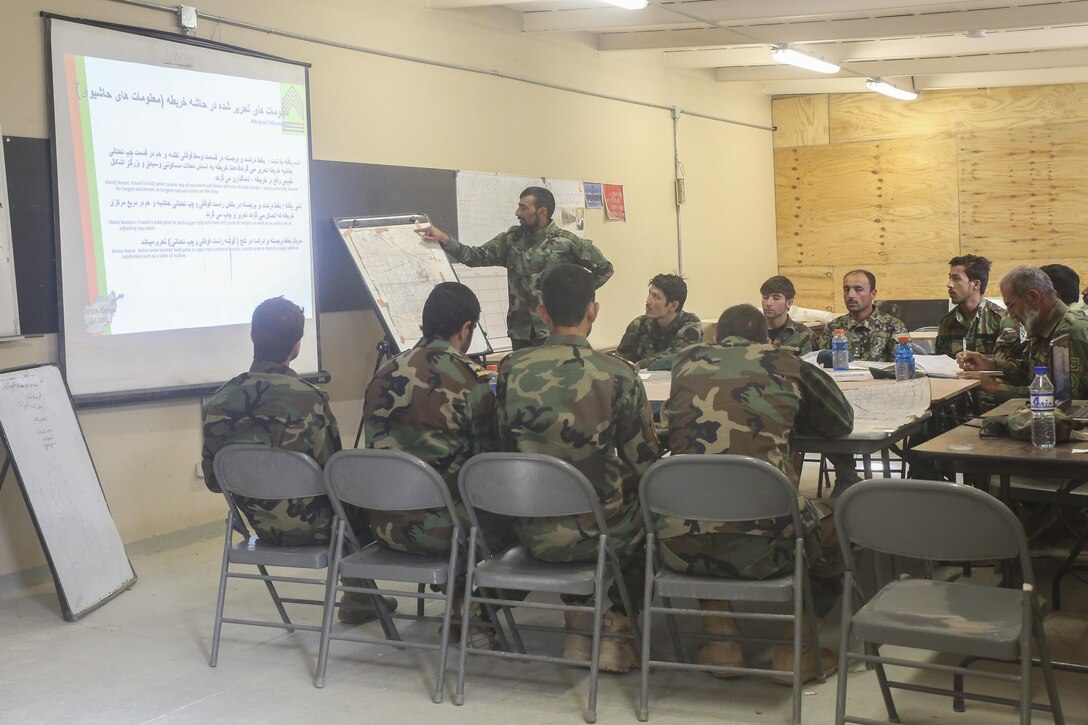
{"points": [[919, 43]]}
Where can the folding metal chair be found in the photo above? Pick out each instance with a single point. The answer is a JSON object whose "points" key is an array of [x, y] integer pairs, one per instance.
{"points": [[385, 480], [257, 471], [941, 521], [723, 488], [534, 486]]}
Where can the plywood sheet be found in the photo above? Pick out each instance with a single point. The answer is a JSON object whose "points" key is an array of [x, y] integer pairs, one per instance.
{"points": [[866, 116], [800, 121], [816, 286], [885, 201], [1022, 191]]}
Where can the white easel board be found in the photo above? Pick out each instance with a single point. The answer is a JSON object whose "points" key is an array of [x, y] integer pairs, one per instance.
{"points": [[400, 270], [49, 455]]}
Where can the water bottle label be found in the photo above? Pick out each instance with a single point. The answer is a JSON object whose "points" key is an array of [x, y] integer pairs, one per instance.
{"points": [[1042, 402]]}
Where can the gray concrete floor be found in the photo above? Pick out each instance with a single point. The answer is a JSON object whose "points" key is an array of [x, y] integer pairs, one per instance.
{"points": [[143, 658]]}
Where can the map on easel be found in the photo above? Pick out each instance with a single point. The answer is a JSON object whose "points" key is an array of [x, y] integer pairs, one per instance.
{"points": [[399, 270]]}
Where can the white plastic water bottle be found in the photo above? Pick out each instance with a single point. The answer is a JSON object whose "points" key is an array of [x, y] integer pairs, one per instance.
{"points": [[1043, 434], [904, 359], [840, 351]]}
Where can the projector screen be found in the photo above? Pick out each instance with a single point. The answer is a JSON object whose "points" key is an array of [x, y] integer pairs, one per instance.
{"points": [[183, 200]]}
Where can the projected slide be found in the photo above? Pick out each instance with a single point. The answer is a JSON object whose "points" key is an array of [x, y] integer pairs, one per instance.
{"points": [[183, 188], [188, 173]]}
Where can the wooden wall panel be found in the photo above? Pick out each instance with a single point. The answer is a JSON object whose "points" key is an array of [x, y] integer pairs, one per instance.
{"points": [[859, 203], [1022, 191], [800, 121], [816, 286], [867, 116]]}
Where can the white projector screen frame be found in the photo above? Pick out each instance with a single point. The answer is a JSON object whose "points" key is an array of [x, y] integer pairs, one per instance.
{"points": [[182, 173]]}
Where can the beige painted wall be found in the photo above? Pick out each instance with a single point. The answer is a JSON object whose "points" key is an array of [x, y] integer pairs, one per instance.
{"points": [[900, 188], [367, 108]]}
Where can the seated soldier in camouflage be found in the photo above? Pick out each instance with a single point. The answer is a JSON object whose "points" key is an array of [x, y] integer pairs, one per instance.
{"points": [[974, 321], [745, 396], [271, 405], [566, 400], [872, 335], [652, 340], [435, 403], [778, 293]]}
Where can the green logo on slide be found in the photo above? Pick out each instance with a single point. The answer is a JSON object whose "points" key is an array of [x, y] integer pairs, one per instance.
{"points": [[293, 108]]}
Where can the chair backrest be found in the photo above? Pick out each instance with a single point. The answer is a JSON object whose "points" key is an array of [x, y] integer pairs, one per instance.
{"points": [[935, 520], [720, 487], [528, 485], [255, 470], [385, 480]]}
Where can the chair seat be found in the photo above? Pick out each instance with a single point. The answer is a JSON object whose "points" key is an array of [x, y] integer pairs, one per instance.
{"points": [[675, 584], [254, 551], [377, 562], [516, 569], [944, 616]]}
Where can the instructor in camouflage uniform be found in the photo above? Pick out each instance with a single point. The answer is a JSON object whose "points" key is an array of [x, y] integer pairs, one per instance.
{"points": [[566, 400], [747, 397], [872, 335], [652, 340], [528, 251], [435, 403]]}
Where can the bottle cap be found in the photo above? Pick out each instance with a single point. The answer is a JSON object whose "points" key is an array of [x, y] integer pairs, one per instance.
{"points": [[492, 368], [1041, 370], [904, 338], [840, 331]]}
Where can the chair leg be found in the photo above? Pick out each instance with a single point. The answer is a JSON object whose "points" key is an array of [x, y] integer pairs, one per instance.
{"points": [[814, 631], [1048, 671], [447, 615], [647, 602], [213, 660], [798, 612], [844, 648], [275, 598], [332, 583], [625, 598], [466, 608], [598, 616], [882, 679], [419, 602]]}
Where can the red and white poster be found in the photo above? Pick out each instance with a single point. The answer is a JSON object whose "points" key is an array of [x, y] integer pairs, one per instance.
{"points": [[613, 202]]}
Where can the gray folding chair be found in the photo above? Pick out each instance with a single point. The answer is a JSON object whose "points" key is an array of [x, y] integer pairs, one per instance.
{"points": [[383, 480], [942, 521], [534, 486], [257, 471], [723, 488]]}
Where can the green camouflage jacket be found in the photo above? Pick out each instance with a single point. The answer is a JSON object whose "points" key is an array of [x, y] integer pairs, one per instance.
{"points": [[435, 403], [872, 339], [271, 405], [527, 256], [646, 341], [794, 337], [981, 332], [589, 408], [1020, 367]]}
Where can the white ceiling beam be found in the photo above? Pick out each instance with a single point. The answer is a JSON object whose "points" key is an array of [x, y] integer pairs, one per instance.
{"points": [[461, 4]]}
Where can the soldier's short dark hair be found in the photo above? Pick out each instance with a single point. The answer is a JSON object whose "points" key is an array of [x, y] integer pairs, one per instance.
{"points": [[276, 326], [567, 291], [778, 285], [744, 321], [449, 306], [975, 267], [868, 275], [1066, 282], [541, 197], [673, 287]]}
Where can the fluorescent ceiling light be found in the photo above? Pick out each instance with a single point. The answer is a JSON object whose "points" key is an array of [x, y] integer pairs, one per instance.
{"points": [[880, 86], [786, 54], [628, 4]]}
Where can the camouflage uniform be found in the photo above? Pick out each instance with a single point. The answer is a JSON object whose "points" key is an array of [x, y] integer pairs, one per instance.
{"points": [[793, 337], [527, 256], [981, 332], [1019, 367], [749, 399], [435, 403], [271, 405], [645, 341], [566, 400], [874, 338]]}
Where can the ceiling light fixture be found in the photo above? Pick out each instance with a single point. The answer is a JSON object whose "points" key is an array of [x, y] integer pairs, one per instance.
{"points": [[628, 4], [881, 86], [786, 54]]}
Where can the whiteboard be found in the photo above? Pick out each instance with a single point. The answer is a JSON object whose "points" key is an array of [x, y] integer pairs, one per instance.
{"points": [[9, 299], [485, 207], [53, 466], [400, 270]]}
